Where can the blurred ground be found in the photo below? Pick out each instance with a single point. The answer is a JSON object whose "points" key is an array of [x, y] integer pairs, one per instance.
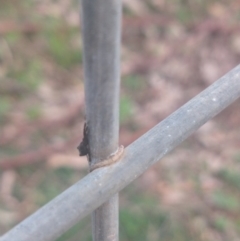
{"points": [[171, 51]]}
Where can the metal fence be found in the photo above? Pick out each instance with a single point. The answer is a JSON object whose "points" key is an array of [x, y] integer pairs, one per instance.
{"points": [[98, 190]]}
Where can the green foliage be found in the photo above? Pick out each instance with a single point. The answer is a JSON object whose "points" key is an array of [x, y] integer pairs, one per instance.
{"points": [[225, 201], [188, 11], [222, 223], [230, 176], [237, 158], [61, 48], [237, 224], [54, 182], [5, 105], [141, 218], [126, 107], [184, 15], [134, 83], [134, 225], [30, 76], [7, 9], [26, 171], [17, 192], [34, 113], [12, 37]]}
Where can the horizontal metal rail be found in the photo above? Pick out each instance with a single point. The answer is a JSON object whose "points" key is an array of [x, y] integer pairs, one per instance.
{"points": [[56, 217]]}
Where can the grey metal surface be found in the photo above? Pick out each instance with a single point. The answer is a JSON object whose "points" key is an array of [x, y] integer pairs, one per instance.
{"points": [[82, 198], [101, 29], [105, 221]]}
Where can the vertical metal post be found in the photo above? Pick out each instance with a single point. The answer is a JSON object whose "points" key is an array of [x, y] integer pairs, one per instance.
{"points": [[101, 28]]}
